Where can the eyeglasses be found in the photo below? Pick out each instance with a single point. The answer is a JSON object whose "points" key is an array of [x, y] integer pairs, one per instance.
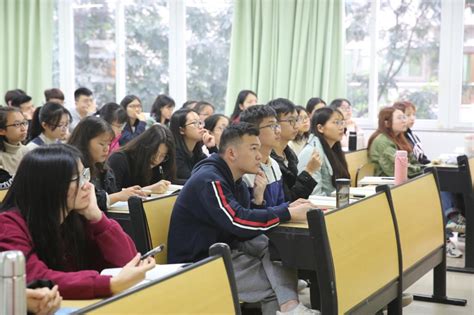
{"points": [[345, 108], [62, 126], [17, 125], [291, 121], [135, 106], [196, 123], [401, 117], [303, 119], [274, 127], [84, 178], [340, 123]]}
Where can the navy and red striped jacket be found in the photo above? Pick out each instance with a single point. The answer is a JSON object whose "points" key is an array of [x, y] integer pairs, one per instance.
{"points": [[212, 208]]}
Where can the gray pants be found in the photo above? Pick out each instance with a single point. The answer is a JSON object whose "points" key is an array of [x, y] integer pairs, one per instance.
{"points": [[261, 280]]}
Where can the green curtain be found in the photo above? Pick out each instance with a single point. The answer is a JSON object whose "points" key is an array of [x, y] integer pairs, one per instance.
{"points": [[26, 46], [287, 48]]}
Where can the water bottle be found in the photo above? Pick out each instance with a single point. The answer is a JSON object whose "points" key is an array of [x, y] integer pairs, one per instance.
{"points": [[401, 167], [342, 192], [352, 141], [12, 283]]}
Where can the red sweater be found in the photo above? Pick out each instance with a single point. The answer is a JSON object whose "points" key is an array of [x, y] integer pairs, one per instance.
{"points": [[109, 246]]}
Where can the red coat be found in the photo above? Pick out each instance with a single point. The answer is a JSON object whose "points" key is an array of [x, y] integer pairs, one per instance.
{"points": [[109, 246]]}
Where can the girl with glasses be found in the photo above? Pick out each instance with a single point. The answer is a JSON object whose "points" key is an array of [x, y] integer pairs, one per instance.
{"points": [[189, 135], [303, 131], [13, 130], [327, 129], [147, 161], [50, 124], [345, 107], [92, 136], [50, 213], [116, 116], [136, 118]]}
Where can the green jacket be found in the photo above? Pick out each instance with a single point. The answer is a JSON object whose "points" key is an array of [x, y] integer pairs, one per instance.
{"points": [[382, 154]]}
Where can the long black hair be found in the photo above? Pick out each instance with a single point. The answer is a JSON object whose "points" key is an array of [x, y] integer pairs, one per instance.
{"points": [[161, 101], [335, 154], [178, 120], [141, 152], [51, 114], [87, 129], [240, 100], [39, 191], [301, 136], [211, 121], [113, 112]]}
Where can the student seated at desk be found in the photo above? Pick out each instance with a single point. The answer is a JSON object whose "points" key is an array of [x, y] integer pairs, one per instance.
{"points": [[296, 184], [13, 130], [50, 213], [136, 118], [301, 138], [189, 136], [383, 144], [147, 161], [49, 125], [92, 136], [245, 99], [116, 116], [215, 206], [327, 128]]}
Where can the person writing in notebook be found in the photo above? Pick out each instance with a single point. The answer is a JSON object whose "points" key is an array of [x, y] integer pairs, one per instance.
{"points": [[215, 206]]}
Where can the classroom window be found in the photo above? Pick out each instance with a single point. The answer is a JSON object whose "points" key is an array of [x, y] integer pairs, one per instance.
{"points": [[208, 33], [466, 109]]}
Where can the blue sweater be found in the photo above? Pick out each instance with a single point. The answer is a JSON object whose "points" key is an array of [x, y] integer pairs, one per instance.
{"points": [[211, 208]]}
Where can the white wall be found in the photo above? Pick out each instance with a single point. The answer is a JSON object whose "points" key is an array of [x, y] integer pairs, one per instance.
{"points": [[435, 142]]}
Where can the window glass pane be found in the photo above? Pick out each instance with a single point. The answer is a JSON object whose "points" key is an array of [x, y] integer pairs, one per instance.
{"points": [[357, 55], [55, 72], [94, 44], [466, 111], [146, 49], [208, 31], [408, 54]]}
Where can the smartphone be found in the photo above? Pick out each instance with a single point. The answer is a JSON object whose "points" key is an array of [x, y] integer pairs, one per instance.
{"points": [[153, 252]]}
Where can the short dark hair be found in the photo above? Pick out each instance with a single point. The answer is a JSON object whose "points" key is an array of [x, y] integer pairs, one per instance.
{"points": [[233, 134], [201, 105], [188, 104], [255, 114], [10, 95], [50, 113], [335, 104], [53, 93], [113, 112], [20, 99], [211, 121], [82, 91], [312, 102], [282, 106]]}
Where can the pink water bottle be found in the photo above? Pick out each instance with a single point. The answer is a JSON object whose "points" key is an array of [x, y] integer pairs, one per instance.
{"points": [[401, 167]]}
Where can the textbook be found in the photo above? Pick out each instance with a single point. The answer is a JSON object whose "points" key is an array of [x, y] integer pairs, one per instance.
{"points": [[377, 180]]}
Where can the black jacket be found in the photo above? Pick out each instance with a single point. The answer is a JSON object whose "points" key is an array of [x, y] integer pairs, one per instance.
{"points": [[294, 185], [185, 164], [104, 184]]}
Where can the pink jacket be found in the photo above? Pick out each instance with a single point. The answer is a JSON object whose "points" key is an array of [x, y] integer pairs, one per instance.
{"points": [[110, 244], [114, 145]]}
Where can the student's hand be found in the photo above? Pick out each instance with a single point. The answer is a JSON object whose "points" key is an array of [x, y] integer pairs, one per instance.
{"points": [[298, 213], [126, 193], [259, 185], [141, 116], [131, 274], [160, 187], [91, 212], [43, 301], [208, 139], [314, 163], [299, 201]]}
